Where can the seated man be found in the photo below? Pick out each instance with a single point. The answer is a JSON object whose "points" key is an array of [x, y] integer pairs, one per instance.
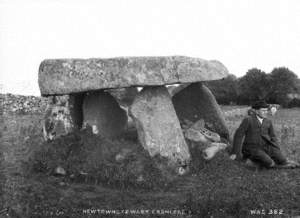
{"points": [[260, 143]]}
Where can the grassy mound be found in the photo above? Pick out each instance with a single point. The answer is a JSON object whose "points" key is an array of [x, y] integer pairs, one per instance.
{"points": [[90, 158]]}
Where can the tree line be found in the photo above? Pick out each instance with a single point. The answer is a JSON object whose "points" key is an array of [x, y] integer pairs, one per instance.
{"points": [[274, 87]]}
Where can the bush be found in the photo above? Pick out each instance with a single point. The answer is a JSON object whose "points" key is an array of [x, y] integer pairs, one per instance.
{"points": [[294, 103]]}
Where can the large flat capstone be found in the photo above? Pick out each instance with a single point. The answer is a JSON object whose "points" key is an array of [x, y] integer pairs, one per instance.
{"points": [[158, 127], [65, 76]]}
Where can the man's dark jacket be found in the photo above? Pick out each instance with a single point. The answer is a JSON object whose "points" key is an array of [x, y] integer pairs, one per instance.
{"points": [[255, 135]]}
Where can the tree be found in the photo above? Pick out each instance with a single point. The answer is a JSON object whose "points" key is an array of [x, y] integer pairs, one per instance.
{"points": [[224, 90], [255, 85], [283, 81]]}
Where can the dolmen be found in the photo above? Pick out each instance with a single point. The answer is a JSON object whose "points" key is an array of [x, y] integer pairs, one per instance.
{"points": [[88, 88]]}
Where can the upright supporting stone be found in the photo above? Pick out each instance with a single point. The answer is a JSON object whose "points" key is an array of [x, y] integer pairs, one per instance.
{"points": [[75, 106], [63, 115], [158, 127], [196, 102], [103, 113]]}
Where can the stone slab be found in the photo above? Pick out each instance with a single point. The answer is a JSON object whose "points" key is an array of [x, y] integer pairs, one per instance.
{"points": [[196, 102], [62, 116], [103, 113], [65, 76], [158, 127]]}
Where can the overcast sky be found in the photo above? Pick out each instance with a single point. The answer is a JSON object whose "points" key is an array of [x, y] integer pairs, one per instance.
{"points": [[240, 33]]}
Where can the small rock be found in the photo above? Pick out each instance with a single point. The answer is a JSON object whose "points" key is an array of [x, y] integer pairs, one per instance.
{"points": [[83, 173], [199, 126], [195, 136], [122, 155], [182, 170], [60, 171], [95, 129], [213, 149], [198, 133], [119, 157], [62, 183], [140, 179]]}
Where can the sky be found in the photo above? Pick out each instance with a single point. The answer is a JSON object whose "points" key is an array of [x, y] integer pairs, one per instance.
{"points": [[242, 34]]}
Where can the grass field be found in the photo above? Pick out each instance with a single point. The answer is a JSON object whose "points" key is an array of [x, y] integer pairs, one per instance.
{"points": [[218, 188]]}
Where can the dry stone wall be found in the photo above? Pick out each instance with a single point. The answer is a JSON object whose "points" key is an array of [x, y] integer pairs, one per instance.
{"points": [[19, 104]]}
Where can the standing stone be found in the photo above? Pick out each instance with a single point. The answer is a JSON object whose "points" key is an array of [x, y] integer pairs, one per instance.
{"points": [[196, 102], [158, 127], [75, 106], [103, 113], [63, 115]]}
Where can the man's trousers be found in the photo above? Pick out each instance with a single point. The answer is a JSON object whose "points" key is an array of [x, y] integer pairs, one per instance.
{"points": [[265, 156]]}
